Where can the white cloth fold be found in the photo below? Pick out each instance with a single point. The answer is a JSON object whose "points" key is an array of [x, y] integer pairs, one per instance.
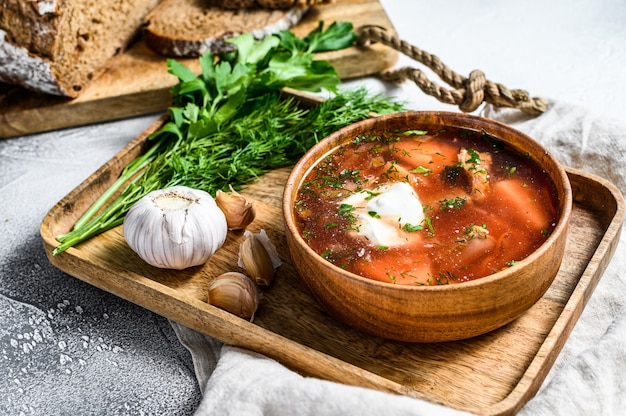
{"points": [[257, 385], [587, 378]]}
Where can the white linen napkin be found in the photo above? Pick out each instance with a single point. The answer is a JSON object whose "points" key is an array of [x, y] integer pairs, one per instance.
{"points": [[589, 376]]}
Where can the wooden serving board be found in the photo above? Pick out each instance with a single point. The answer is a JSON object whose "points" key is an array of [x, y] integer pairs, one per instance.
{"points": [[493, 374], [137, 81]]}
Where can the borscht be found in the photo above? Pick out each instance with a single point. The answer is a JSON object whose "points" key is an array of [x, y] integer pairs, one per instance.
{"points": [[421, 207]]}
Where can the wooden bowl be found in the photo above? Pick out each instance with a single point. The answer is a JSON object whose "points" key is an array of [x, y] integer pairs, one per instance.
{"points": [[429, 313]]}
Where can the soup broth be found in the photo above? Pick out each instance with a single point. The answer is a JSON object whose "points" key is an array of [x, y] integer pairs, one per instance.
{"points": [[425, 207]]}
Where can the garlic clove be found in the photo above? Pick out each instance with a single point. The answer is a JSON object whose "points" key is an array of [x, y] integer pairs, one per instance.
{"points": [[175, 228], [235, 293], [239, 211], [258, 256]]}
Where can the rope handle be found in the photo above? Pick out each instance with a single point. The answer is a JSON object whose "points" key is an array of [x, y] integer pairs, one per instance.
{"points": [[467, 93]]}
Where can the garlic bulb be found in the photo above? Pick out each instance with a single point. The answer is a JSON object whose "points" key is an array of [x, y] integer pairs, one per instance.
{"points": [[258, 256], [236, 293], [238, 210], [175, 228]]}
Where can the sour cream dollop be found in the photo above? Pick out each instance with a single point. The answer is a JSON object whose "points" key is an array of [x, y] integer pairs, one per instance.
{"points": [[380, 218]]}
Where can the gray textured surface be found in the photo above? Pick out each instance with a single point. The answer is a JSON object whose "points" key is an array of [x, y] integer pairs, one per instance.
{"points": [[67, 347]]}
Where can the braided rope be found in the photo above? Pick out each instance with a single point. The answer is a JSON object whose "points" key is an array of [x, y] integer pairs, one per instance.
{"points": [[467, 93]]}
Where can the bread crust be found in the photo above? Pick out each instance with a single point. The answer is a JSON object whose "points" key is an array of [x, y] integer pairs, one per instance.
{"points": [[204, 27], [21, 68], [58, 46]]}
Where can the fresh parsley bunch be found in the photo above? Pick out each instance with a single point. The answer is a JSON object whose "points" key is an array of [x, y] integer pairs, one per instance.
{"points": [[227, 82], [230, 123]]}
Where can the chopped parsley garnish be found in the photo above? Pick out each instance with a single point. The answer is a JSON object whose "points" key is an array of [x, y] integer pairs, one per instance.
{"points": [[393, 168], [429, 225], [474, 157], [453, 203], [411, 228], [346, 209], [352, 174], [414, 133], [511, 170], [422, 170], [371, 194], [327, 255]]}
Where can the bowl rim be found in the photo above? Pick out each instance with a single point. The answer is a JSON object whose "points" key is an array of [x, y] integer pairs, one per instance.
{"points": [[291, 187]]}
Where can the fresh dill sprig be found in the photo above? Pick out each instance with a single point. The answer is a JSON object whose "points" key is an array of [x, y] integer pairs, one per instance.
{"points": [[230, 124]]}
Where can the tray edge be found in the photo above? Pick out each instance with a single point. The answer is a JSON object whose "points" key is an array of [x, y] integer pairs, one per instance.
{"points": [[537, 370], [526, 387]]}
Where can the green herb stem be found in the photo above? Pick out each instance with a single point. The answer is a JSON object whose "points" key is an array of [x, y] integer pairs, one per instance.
{"points": [[129, 171], [229, 125]]}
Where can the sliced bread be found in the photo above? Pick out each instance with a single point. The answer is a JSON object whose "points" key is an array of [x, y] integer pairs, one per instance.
{"points": [[58, 46], [189, 28], [271, 4]]}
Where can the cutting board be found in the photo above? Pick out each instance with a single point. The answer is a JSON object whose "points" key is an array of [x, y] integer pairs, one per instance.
{"points": [[137, 81], [492, 374]]}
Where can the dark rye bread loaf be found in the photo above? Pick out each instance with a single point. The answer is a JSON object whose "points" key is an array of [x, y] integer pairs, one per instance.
{"points": [[189, 28], [270, 4], [58, 46]]}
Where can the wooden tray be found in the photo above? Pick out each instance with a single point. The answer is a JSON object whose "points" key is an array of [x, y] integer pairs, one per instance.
{"points": [[492, 374], [137, 81]]}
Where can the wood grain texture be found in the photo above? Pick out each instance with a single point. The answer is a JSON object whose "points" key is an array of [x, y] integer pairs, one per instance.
{"points": [[137, 81], [493, 374], [429, 313]]}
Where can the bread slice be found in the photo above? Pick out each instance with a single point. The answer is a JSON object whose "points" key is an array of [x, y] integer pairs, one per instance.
{"points": [[270, 4], [189, 28], [58, 46]]}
